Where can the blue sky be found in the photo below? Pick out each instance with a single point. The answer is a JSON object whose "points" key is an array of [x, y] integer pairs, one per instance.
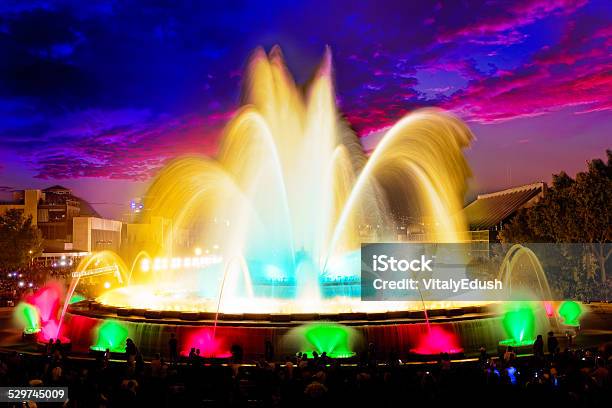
{"points": [[99, 95]]}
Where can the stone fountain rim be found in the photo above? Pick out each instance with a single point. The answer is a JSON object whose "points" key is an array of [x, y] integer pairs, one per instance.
{"points": [[94, 309]]}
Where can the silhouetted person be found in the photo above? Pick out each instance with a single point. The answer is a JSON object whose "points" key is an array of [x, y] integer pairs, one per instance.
{"points": [[130, 352], [570, 339], [393, 359], [139, 363], [538, 346], [50, 348], [106, 358], [324, 358], [173, 348], [237, 353], [445, 361], [58, 345], [269, 351], [156, 366], [483, 358], [553, 343], [130, 347], [509, 355]]}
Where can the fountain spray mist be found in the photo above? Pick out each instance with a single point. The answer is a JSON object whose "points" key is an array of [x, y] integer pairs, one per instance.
{"points": [[291, 189]]}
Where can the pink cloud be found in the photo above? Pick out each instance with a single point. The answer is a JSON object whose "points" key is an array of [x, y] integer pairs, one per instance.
{"points": [[573, 73], [501, 27]]}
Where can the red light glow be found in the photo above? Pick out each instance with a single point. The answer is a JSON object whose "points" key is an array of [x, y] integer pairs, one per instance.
{"points": [[47, 301], [208, 344], [550, 310], [436, 340]]}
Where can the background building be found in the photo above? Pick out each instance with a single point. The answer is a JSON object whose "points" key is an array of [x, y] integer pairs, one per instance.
{"points": [[25, 201], [96, 234], [491, 211], [68, 224], [56, 210]]}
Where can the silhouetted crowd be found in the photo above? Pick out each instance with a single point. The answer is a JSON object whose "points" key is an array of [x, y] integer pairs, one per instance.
{"points": [[16, 283], [574, 378]]}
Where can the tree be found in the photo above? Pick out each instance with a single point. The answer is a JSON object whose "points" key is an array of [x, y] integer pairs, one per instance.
{"points": [[593, 192], [20, 241], [572, 211]]}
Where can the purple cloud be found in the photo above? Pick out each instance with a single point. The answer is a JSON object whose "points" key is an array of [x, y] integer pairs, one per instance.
{"points": [[124, 144], [575, 72], [499, 26], [569, 72]]}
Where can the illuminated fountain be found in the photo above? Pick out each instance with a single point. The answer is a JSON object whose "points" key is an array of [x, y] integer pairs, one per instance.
{"points": [[520, 324], [110, 335], [336, 340], [294, 186], [284, 205], [570, 313], [28, 318], [522, 274]]}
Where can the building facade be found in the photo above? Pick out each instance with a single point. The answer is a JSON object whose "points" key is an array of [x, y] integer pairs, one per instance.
{"points": [[68, 224]]}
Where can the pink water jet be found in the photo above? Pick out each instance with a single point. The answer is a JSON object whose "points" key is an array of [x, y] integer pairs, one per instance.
{"points": [[46, 300], [436, 340], [209, 344]]}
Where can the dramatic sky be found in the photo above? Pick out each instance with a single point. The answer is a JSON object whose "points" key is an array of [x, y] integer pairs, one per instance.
{"points": [[96, 96]]}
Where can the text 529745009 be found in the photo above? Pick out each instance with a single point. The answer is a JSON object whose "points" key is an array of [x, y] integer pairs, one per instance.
{"points": [[37, 394]]}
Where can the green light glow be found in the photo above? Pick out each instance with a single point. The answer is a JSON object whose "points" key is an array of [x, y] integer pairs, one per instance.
{"points": [[519, 324], [570, 311], [28, 316], [111, 335], [32, 330], [514, 343], [331, 338], [76, 298]]}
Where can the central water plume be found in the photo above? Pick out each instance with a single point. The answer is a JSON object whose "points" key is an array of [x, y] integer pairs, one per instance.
{"points": [[291, 195]]}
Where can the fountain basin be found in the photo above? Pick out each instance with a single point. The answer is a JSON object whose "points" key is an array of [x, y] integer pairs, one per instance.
{"points": [[453, 310], [400, 332]]}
